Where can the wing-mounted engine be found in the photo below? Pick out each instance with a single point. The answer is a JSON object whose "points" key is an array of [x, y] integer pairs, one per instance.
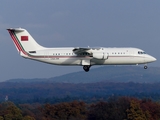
{"points": [[100, 55], [97, 53]]}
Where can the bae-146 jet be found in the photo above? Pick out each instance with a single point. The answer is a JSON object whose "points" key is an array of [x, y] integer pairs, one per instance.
{"points": [[81, 56]]}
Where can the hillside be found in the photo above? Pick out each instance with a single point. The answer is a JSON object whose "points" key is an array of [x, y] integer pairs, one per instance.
{"points": [[104, 74], [99, 83]]}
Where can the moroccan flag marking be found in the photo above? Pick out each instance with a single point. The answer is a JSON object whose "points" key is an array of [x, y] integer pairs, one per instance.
{"points": [[24, 38]]}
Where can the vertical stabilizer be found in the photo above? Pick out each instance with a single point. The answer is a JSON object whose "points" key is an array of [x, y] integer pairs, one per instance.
{"points": [[23, 40]]}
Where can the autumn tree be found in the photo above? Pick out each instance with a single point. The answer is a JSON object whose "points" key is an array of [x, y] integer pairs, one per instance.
{"points": [[65, 111], [98, 111], [135, 112], [31, 110], [151, 109], [114, 109]]}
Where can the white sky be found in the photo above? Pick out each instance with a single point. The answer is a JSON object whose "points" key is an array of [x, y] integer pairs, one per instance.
{"points": [[58, 23]]}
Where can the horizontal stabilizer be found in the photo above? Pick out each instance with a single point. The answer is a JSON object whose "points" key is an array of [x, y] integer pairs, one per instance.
{"points": [[16, 29]]}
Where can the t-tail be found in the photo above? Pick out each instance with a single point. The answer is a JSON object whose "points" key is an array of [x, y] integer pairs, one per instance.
{"points": [[23, 41]]}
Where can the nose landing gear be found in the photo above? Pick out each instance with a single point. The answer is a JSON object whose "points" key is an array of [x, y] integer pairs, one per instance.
{"points": [[86, 67]]}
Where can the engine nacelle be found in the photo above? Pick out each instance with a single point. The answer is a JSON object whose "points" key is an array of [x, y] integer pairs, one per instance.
{"points": [[100, 55]]}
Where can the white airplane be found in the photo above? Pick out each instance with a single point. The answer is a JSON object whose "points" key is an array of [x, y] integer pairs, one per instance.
{"points": [[86, 57]]}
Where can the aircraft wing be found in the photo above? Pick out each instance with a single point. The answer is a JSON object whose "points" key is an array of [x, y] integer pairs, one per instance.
{"points": [[81, 50], [78, 50]]}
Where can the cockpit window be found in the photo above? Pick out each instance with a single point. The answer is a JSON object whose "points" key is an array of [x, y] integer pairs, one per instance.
{"points": [[141, 52]]}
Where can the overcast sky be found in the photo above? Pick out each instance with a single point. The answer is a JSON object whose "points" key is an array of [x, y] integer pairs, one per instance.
{"points": [[69, 23]]}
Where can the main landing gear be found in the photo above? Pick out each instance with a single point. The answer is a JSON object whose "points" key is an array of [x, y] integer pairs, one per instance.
{"points": [[86, 67], [145, 67]]}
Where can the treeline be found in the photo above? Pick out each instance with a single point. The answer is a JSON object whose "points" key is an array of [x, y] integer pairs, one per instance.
{"points": [[121, 108], [64, 92]]}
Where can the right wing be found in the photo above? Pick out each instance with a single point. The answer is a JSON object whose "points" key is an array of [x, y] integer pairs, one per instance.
{"points": [[81, 50]]}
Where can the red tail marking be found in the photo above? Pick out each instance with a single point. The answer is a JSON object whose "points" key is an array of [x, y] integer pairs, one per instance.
{"points": [[13, 38], [16, 42], [24, 38]]}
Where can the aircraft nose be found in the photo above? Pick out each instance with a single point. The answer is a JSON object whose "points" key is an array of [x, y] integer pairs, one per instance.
{"points": [[152, 59]]}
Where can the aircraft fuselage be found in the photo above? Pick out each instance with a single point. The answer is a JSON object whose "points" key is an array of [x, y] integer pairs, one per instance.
{"points": [[115, 56], [84, 56]]}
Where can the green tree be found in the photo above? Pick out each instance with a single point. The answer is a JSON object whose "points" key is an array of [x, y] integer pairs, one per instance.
{"points": [[10, 111], [1, 118], [28, 118]]}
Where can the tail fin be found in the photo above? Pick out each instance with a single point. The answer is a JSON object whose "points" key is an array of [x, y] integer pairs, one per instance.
{"points": [[23, 41]]}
